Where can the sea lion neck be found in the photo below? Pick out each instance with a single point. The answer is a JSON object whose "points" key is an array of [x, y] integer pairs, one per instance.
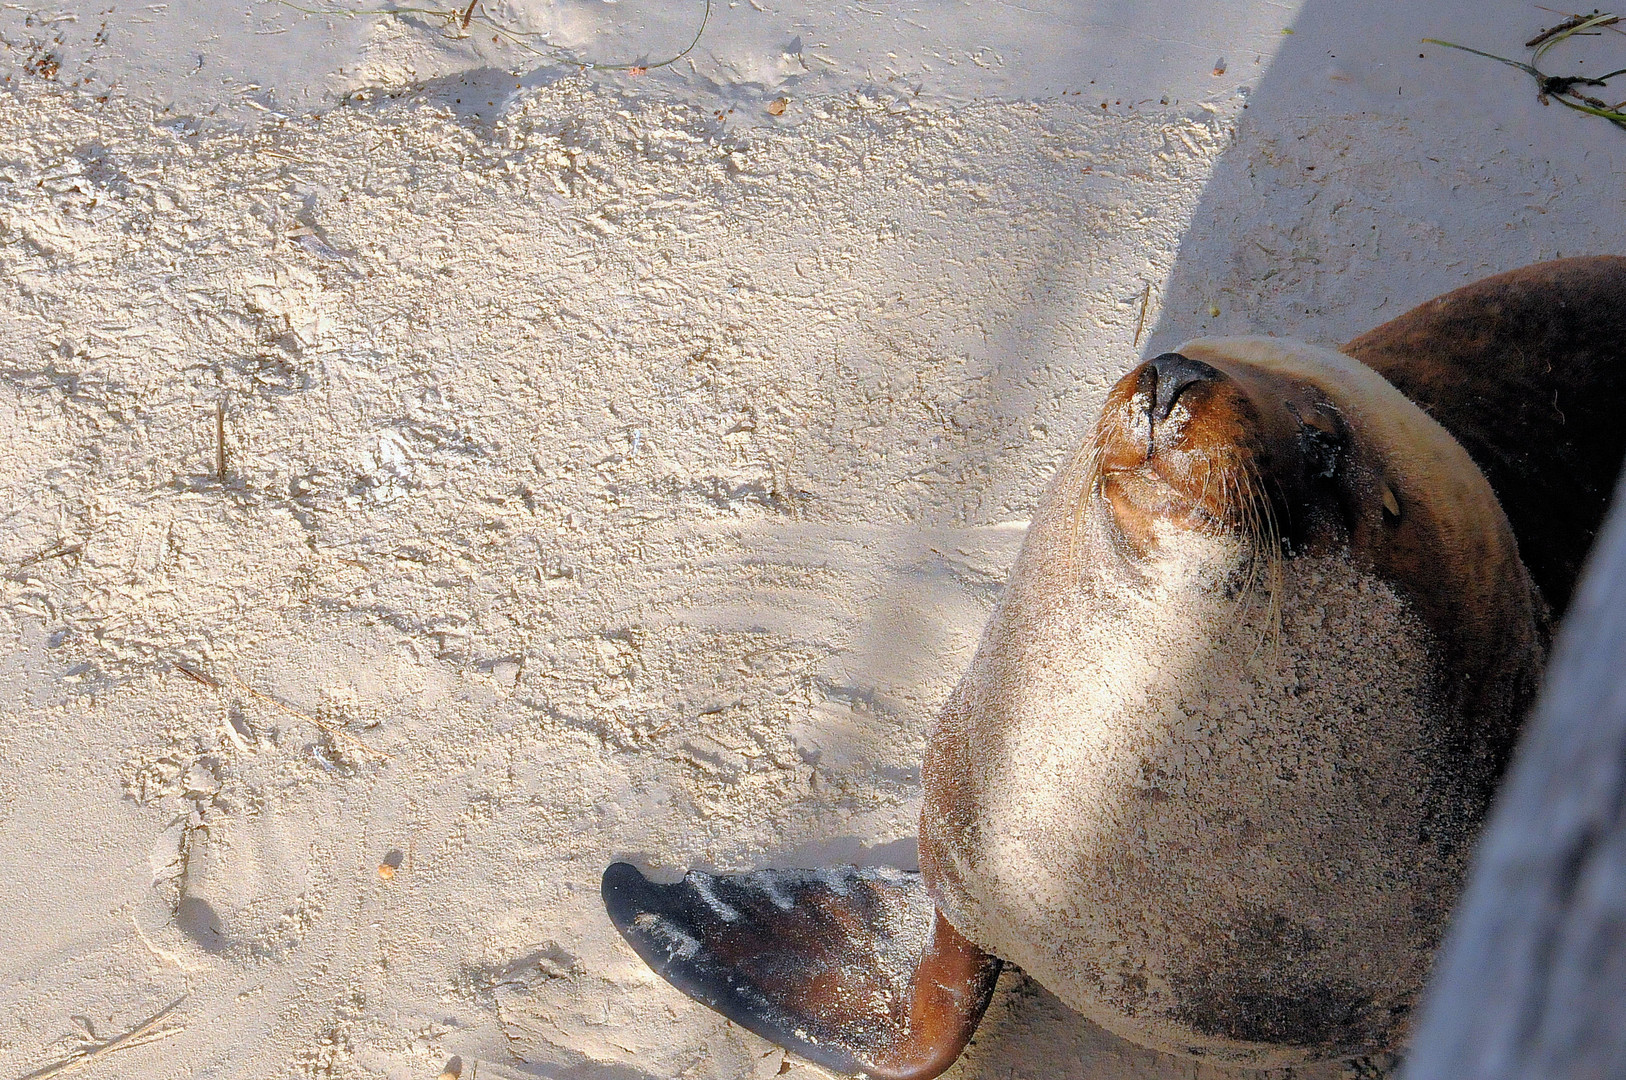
{"points": [[1417, 511]]}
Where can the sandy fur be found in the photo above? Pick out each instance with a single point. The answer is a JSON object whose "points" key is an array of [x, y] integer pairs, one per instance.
{"points": [[1180, 773]]}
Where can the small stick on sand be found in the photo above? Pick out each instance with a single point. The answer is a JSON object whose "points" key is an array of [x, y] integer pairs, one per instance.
{"points": [[1574, 22], [334, 732], [137, 1036], [1140, 324], [198, 676], [62, 549], [220, 441], [330, 730]]}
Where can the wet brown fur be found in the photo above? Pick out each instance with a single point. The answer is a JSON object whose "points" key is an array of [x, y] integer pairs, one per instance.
{"points": [[1527, 370]]}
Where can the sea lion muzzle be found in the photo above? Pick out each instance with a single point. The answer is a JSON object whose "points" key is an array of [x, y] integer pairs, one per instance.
{"points": [[1187, 444], [1162, 378]]}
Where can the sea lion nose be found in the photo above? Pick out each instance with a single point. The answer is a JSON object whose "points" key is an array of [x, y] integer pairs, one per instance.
{"points": [[1164, 378]]}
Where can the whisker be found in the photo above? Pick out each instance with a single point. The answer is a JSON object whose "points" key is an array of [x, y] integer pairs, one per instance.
{"points": [[1241, 505], [1208, 476], [1252, 529], [1269, 548], [1089, 487]]}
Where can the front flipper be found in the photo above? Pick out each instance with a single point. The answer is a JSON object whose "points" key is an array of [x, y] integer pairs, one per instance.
{"points": [[852, 968]]}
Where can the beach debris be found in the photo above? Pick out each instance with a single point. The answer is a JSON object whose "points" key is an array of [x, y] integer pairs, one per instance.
{"points": [[62, 549], [197, 676], [1562, 88], [458, 20], [453, 1069], [1573, 24], [1219, 66], [140, 1035], [220, 441], [392, 863], [1140, 323], [776, 107], [338, 739]]}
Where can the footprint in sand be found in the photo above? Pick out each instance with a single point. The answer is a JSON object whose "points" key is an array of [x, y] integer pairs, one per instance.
{"points": [[234, 886]]}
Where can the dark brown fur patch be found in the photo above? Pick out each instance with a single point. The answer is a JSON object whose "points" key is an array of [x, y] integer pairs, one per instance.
{"points": [[1527, 370]]}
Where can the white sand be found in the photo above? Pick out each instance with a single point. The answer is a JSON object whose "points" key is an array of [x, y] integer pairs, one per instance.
{"points": [[605, 478]]}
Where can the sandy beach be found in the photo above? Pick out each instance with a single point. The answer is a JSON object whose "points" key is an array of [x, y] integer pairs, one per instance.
{"points": [[433, 469]]}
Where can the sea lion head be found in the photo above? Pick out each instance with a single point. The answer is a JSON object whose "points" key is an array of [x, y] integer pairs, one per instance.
{"points": [[1214, 772], [1215, 444], [1296, 450]]}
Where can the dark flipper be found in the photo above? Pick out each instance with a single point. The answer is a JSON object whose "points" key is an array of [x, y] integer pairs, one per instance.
{"points": [[852, 968]]}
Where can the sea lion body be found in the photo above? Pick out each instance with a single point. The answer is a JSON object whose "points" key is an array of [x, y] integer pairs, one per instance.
{"points": [[1215, 773], [1212, 783]]}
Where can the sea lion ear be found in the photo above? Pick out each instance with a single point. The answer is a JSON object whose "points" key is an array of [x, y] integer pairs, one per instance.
{"points": [[852, 968]]}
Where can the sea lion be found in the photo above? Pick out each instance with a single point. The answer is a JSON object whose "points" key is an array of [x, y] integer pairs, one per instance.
{"points": [[1215, 770], [1218, 763]]}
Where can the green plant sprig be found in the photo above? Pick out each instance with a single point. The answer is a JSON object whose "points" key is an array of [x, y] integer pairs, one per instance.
{"points": [[1562, 88]]}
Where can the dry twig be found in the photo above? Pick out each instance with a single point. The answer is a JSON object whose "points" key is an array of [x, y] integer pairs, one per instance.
{"points": [[338, 734], [1140, 323], [140, 1035], [530, 42], [220, 441]]}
